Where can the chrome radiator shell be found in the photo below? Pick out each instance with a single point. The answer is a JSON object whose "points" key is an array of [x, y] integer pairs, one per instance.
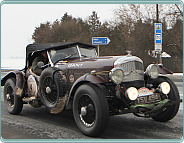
{"points": [[132, 67]]}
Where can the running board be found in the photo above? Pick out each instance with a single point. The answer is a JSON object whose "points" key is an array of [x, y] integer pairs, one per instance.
{"points": [[28, 99]]}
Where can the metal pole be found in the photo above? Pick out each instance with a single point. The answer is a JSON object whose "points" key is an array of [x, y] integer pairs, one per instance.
{"points": [[98, 48], [159, 55], [157, 20]]}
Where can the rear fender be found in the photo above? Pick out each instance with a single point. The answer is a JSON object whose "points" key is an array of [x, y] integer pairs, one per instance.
{"points": [[20, 81], [88, 78]]}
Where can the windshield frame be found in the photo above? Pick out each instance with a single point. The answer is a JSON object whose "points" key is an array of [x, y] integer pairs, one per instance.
{"points": [[78, 51]]}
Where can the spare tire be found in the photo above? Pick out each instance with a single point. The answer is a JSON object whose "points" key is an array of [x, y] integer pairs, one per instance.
{"points": [[52, 86]]}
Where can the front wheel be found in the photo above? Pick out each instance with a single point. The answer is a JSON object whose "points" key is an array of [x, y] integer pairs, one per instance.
{"points": [[90, 110], [169, 112], [13, 103]]}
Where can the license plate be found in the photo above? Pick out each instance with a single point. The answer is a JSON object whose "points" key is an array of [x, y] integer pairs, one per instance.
{"points": [[148, 99]]}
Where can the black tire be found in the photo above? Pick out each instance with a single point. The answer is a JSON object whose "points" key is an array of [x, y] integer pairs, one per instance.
{"points": [[90, 98], [14, 104], [170, 111], [51, 86]]}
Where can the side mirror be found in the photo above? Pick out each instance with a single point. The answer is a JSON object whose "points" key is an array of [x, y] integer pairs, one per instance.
{"points": [[40, 65]]}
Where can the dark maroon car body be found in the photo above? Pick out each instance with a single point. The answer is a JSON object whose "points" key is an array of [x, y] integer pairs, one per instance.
{"points": [[76, 78]]}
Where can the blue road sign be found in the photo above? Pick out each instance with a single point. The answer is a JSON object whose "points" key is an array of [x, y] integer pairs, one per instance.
{"points": [[100, 40], [158, 38], [158, 27]]}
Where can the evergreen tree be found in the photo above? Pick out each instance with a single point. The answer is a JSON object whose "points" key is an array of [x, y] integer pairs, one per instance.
{"points": [[133, 30], [42, 33], [66, 18], [94, 22]]}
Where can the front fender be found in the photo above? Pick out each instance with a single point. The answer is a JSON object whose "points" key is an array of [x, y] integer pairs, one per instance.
{"points": [[88, 78], [20, 81], [163, 70]]}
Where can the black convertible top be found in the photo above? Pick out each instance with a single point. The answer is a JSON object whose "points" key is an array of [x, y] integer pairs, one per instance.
{"points": [[41, 47]]}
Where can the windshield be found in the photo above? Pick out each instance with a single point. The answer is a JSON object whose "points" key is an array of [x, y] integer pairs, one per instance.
{"points": [[87, 52], [71, 52], [62, 54]]}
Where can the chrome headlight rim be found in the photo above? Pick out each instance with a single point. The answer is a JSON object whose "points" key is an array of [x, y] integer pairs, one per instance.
{"points": [[132, 93], [164, 88], [112, 74], [150, 69]]}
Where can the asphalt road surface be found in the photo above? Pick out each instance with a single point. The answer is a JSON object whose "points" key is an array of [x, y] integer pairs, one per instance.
{"points": [[38, 123]]}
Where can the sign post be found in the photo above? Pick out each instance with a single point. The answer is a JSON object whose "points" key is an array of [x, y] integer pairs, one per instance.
{"points": [[100, 41], [98, 49], [158, 41]]}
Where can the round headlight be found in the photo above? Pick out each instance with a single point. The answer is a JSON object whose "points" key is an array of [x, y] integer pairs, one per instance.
{"points": [[152, 71], [116, 75], [164, 87], [132, 93]]}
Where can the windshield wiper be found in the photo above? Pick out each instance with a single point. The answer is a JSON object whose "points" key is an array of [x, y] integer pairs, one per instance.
{"points": [[84, 55], [70, 56], [65, 57]]}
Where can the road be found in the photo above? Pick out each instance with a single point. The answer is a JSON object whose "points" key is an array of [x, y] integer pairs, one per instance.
{"points": [[38, 123]]}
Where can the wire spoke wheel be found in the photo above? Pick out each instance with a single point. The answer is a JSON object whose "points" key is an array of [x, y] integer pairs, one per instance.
{"points": [[49, 89], [86, 110], [52, 87], [14, 103], [170, 111], [90, 109]]}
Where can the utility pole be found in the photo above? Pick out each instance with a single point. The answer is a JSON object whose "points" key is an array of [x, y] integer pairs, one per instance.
{"points": [[159, 53]]}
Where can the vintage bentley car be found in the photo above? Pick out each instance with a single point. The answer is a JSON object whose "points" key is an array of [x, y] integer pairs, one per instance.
{"points": [[93, 87]]}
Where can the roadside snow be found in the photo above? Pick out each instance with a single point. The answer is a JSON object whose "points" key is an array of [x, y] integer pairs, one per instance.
{"points": [[12, 63]]}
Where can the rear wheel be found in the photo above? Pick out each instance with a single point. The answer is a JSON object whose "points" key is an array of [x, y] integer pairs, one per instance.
{"points": [[14, 104], [90, 110]]}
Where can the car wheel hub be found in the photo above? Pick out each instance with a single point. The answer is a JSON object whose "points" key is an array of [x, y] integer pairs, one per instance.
{"points": [[8, 98], [48, 90], [84, 111]]}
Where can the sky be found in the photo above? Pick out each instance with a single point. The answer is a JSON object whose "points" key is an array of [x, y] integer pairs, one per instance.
{"points": [[18, 22]]}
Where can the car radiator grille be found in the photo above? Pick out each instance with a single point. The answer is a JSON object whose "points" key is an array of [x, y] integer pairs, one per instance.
{"points": [[133, 71]]}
